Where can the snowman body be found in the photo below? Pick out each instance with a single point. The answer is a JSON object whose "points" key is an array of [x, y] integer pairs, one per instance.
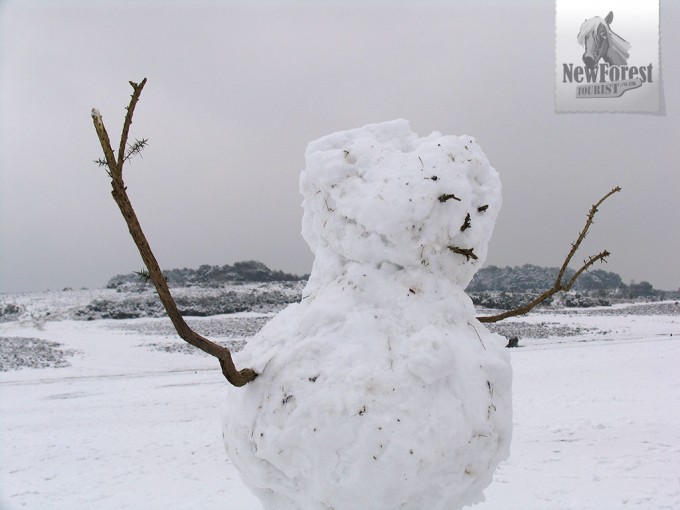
{"points": [[380, 390]]}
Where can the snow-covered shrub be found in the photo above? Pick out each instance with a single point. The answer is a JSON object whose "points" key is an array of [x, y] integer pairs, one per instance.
{"points": [[10, 312], [380, 390], [25, 352]]}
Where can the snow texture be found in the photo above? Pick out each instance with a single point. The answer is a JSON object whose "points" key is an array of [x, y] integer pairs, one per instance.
{"points": [[595, 426], [380, 389]]}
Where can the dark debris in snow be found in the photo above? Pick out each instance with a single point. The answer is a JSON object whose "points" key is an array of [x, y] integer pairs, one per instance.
{"points": [[523, 329], [184, 348], [26, 352]]}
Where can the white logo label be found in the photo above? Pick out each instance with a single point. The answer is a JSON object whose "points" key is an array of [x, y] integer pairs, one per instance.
{"points": [[607, 56]]}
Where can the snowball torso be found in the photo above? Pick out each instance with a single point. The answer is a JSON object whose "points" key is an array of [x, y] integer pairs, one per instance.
{"points": [[380, 390]]}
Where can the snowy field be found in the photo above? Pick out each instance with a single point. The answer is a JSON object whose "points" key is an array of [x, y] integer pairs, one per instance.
{"points": [[121, 416]]}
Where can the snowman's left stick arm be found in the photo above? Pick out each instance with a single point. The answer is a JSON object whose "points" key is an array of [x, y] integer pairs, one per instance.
{"points": [[559, 284]]}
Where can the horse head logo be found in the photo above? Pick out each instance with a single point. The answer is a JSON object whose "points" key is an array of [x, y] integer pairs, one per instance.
{"points": [[601, 43]]}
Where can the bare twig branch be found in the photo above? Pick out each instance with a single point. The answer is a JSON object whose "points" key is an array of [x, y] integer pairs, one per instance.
{"points": [[115, 170], [586, 265], [105, 142], [466, 224], [582, 235], [468, 253], [137, 91], [559, 286], [448, 196]]}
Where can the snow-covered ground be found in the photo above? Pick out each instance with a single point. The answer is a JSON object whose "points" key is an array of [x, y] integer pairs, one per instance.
{"points": [[133, 422]]}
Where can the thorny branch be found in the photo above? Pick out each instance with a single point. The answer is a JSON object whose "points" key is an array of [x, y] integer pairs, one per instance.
{"points": [[115, 170], [136, 148], [559, 285]]}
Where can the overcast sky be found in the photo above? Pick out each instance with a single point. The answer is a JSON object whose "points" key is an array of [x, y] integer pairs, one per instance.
{"points": [[237, 89]]}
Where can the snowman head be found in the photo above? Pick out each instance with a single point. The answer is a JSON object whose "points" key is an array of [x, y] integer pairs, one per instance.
{"points": [[381, 194]]}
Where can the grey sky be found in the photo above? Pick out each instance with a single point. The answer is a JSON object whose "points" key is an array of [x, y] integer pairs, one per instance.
{"points": [[237, 89]]}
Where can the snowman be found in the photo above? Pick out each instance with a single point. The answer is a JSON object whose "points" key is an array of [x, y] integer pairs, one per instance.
{"points": [[380, 390]]}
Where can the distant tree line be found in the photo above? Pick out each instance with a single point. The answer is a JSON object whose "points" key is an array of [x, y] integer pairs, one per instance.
{"points": [[530, 278], [510, 286], [207, 276], [268, 297], [525, 279]]}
